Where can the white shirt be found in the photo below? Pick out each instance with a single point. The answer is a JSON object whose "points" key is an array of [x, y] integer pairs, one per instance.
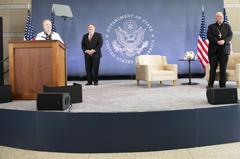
{"points": [[55, 36], [90, 35]]}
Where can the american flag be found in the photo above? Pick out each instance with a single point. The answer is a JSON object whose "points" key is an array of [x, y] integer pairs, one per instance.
{"points": [[53, 22], [202, 46], [226, 22], [225, 16], [29, 31]]}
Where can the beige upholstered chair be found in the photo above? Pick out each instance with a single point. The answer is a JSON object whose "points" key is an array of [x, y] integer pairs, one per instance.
{"points": [[233, 69], [155, 68]]}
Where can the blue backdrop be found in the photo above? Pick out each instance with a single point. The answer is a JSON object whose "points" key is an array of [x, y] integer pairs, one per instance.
{"points": [[129, 28]]}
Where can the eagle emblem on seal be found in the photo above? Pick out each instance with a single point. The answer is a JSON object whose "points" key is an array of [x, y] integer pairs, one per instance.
{"points": [[130, 39]]}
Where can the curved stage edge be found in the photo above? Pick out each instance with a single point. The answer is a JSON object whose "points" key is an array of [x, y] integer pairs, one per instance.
{"points": [[119, 132]]}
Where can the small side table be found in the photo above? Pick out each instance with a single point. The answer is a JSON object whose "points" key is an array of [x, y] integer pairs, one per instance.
{"points": [[189, 72]]}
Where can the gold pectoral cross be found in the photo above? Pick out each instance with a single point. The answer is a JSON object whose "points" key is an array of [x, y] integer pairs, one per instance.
{"points": [[220, 35]]}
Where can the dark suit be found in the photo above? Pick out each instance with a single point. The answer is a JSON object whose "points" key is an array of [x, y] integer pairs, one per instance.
{"points": [[92, 62], [218, 54]]}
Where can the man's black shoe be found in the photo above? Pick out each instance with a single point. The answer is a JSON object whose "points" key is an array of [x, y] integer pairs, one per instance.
{"points": [[223, 86], [95, 84], [88, 84]]}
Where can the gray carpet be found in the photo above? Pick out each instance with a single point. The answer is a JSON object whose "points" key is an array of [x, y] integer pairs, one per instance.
{"points": [[126, 96]]}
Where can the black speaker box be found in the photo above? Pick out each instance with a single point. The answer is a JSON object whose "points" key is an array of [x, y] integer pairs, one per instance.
{"points": [[1, 53], [75, 91], [53, 101], [5, 94], [222, 95]]}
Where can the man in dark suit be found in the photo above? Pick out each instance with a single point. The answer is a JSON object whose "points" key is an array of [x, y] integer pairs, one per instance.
{"points": [[219, 35], [91, 46]]}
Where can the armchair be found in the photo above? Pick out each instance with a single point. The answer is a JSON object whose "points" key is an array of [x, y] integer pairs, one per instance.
{"points": [[155, 68], [233, 69]]}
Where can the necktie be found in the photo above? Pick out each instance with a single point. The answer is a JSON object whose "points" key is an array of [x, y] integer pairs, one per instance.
{"points": [[90, 37]]}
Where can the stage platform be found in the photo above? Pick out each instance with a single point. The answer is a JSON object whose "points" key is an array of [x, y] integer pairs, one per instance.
{"points": [[119, 116], [126, 96]]}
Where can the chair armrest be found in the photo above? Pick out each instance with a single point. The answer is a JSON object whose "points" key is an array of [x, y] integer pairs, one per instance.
{"points": [[237, 72], [171, 67], [145, 68], [207, 71], [143, 72]]}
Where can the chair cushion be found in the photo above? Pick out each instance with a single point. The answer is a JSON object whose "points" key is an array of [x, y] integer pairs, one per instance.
{"points": [[163, 73], [155, 62], [231, 74]]}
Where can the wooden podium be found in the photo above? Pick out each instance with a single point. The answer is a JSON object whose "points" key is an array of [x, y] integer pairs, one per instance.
{"points": [[33, 64]]}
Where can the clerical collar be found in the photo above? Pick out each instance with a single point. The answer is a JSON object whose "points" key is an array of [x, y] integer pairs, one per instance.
{"points": [[219, 24], [48, 37]]}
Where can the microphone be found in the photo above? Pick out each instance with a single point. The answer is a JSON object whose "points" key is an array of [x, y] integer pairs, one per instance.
{"points": [[43, 37]]}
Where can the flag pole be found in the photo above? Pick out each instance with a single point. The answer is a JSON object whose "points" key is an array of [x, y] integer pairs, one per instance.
{"points": [[226, 21]]}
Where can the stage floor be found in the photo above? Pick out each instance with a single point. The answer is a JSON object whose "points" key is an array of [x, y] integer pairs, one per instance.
{"points": [[126, 96]]}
